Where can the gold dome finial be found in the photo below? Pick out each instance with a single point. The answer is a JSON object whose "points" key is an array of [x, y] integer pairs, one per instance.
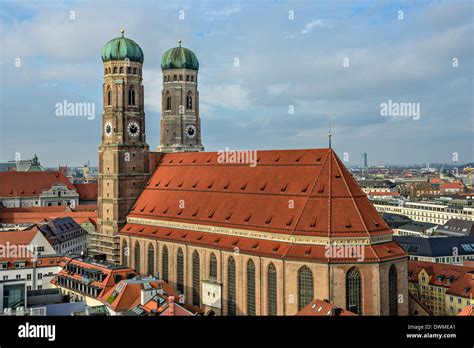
{"points": [[122, 31]]}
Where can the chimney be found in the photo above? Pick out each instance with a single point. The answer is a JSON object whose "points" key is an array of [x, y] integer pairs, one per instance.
{"points": [[171, 305]]}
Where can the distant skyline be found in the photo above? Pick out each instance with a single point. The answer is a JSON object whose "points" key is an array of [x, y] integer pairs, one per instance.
{"points": [[273, 75]]}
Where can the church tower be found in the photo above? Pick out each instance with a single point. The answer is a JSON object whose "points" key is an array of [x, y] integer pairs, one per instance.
{"points": [[180, 122], [123, 153]]}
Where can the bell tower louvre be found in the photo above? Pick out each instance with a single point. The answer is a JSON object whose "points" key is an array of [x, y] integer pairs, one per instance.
{"points": [[123, 153]]}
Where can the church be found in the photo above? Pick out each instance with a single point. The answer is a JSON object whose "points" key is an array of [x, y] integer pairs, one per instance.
{"points": [[233, 238]]}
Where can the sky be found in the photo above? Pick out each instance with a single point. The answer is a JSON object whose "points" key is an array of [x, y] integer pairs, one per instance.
{"points": [[302, 65]]}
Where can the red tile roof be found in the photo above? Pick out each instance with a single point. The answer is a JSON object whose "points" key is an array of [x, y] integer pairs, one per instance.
{"points": [[323, 308], [30, 184], [459, 280], [452, 185], [467, 311], [87, 191], [327, 201], [18, 237], [44, 214], [289, 192]]}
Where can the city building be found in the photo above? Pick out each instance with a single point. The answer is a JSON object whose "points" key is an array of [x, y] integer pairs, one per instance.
{"points": [[87, 280], [455, 227], [444, 289], [65, 235], [450, 250], [87, 192], [36, 189], [415, 228], [233, 234]]}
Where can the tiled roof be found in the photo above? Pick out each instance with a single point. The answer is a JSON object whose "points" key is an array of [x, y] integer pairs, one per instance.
{"points": [[458, 279], [467, 311], [42, 261], [61, 230], [30, 184], [323, 308], [301, 192], [436, 246], [18, 237], [87, 191], [44, 214]]}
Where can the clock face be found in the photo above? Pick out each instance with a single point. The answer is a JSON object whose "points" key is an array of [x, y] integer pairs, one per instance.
{"points": [[108, 129], [133, 129], [190, 131]]}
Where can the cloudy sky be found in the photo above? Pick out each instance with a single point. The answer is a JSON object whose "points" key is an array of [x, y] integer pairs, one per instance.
{"points": [[328, 61]]}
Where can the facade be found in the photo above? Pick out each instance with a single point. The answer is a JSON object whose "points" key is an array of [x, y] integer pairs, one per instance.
{"points": [[36, 189], [444, 289], [65, 235], [450, 250], [425, 211], [415, 228], [84, 279]]}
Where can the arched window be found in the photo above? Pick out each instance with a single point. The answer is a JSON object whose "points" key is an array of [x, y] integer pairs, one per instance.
{"points": [[168, 102], [231, 306], [393, 290], [305, 287], [151, 260], [121, 70], [189, 101], [180, 271], [134, 71], [181, 77], [196, 284], [109, 96], [213, 266], [164, 263], [115, 69], [131, 96], [250, 288], [125, 253], [354, 291], [272, 290], [187, 78], [129, 70], [137, 257], [192, 78]]}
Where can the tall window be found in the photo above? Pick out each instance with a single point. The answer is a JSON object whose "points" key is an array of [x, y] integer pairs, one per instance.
{"points": [[231, 306], [353, 291], [164, 263], [109, 96], [180, 271], [151, 260], [272, 290], [137, 256], [305, 287], [250, 288], [393, 290], [125, 253], [196, 292], [189, 101], [168, 102], [131, 96], [213, 266]]}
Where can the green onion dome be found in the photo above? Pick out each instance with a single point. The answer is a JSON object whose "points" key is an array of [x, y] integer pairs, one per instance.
{"points": [[122, 48], [179, 58]]}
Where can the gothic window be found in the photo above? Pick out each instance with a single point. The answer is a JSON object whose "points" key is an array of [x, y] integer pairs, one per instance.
{"points": [[137, 256], [189, 101], [175, 78], [180, 271], [192, 78], [121, 70], [151, 260], [250, 288], [115, 69], [109, 96], [164, 263], [305, 287], [124, 253], [105, 71], [213, 266], [354, 291], [196, 285], [272, 290], [393, 290], [168, 102], [187, 78], [131, 96], [129, 70], [231, 306], [134, 71]]}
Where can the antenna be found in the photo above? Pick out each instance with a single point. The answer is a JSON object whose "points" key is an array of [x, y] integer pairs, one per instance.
{"points": [[329, 135]]}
